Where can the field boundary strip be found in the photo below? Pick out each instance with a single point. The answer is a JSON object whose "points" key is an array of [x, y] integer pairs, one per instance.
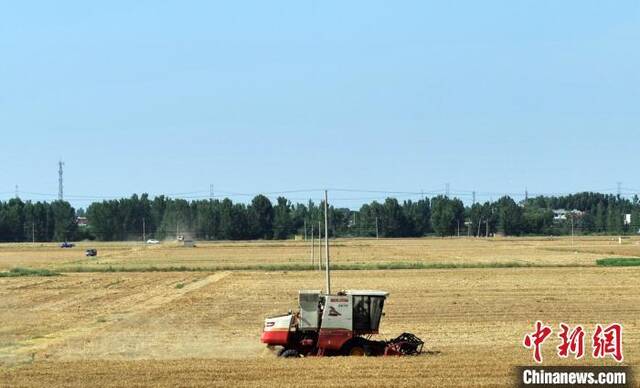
{"points": [[619, 262], [308, 267]]}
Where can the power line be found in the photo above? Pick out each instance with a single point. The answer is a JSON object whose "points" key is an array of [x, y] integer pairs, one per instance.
{"points": [[381, 194], [421, 192]]}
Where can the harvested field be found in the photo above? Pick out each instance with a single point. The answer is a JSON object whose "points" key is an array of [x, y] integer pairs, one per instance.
{"points": [[113, 329], [229, 255]]}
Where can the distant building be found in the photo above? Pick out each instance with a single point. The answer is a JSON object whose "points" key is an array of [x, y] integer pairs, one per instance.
{"points": [[560, 215], [82, 221]]}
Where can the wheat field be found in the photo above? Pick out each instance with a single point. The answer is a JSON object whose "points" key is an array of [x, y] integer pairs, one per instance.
{"points": [[213, 255], [201, 328]]}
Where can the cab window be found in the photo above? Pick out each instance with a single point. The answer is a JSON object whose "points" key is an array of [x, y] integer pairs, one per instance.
{"points": [[366, 312]]}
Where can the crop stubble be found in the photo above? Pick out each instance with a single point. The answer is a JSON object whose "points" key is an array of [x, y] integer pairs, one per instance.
{"points": [[138, 328]]}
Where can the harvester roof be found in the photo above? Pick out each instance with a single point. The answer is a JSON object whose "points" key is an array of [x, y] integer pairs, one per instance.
{"points": [[366, 292]]}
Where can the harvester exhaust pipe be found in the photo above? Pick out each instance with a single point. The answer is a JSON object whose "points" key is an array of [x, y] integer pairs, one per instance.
{"points": [[326, 241]]}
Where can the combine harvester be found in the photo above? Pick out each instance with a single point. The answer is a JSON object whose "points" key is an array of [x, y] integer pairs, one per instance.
{"points": [[335, 324]]}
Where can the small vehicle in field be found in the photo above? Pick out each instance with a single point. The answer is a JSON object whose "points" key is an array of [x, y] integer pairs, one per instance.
{"points": [[153, 241], [67, 245], [91, 252]]}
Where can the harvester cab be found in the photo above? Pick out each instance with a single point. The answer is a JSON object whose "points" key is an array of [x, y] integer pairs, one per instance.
{"points": [[339, 324]]}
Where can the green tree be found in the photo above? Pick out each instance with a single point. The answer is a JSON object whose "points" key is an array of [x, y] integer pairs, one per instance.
{"points": [[447, 215], [260, 218], [282, 225], [394, 222], [614, 219], [509, 216], [64, 221], [601, 218]]}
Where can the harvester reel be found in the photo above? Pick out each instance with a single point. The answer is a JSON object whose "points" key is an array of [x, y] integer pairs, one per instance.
{"points": [[406, 344]]}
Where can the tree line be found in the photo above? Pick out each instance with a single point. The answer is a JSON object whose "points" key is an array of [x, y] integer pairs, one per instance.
{"points": [[162, 217]]}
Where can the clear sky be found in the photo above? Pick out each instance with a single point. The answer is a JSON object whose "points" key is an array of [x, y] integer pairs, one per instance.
{"points": [[172, 96]]}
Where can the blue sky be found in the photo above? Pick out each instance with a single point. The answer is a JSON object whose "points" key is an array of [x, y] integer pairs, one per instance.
{"points": [[170, 97]]}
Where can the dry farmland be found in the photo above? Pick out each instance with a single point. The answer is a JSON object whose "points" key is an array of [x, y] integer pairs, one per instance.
{"points": [[230, 255], [201, 328]]}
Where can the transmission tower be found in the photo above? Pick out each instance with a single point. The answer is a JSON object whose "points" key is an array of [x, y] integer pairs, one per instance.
{"points": [[60, 187]]}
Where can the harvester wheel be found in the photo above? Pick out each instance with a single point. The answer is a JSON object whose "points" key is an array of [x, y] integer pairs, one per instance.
{"points": [[290, 353], [357, 347]]}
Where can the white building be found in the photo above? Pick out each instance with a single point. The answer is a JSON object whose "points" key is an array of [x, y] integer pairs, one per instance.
{"points": [[562, 214]]}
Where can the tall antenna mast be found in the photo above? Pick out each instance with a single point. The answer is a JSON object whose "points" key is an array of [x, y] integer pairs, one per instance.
{"points": [[60, 187], [619, 188], [326, 241]]}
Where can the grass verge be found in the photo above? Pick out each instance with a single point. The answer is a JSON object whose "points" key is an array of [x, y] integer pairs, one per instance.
{"points": [[618, 262], [17, 272], [308, 267]]}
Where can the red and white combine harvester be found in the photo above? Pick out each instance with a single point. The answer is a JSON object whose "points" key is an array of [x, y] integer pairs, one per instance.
{"points": [[339, 324], [335, 324]]}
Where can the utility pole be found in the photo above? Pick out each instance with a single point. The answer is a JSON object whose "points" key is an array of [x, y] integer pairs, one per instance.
{"points": [[305, 230], [313, 246], [326, 241], [526, 195], [60, 186], [479, 223], [319, 245], [458, 227], [447, 189], [144, 231], [377, 235], [473, 195], [17, 193], [487, 228], [571, 228]]}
